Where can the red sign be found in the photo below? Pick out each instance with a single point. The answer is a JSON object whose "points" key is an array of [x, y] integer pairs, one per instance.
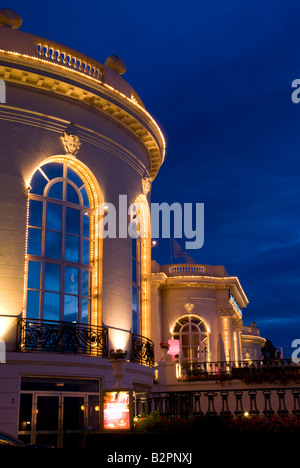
{"points": [[116, 409]]}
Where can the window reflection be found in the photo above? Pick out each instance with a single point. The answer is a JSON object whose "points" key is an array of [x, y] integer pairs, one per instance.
{"points": [[53, 244], [34, 271], [72, 221], [51, 306], [54, 217], [71, 280], [56, 191], [33, 304], [35, 213], [72, 196], [70, 308], [72, 249], [34, 241], [52, 277]]}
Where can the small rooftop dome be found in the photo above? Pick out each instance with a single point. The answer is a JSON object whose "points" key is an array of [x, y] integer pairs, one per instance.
{"points": [[10, 19]]}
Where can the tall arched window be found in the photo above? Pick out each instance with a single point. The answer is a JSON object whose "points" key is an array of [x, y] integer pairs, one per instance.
{"points": [[62, 257], [192, 334], [141, 266]]}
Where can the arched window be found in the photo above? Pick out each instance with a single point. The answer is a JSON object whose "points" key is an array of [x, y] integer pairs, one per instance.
{"points": [[141, 266], [62, 257], [192, 334]]}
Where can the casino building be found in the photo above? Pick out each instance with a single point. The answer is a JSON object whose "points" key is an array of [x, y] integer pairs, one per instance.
{"points": [[74, 137]]}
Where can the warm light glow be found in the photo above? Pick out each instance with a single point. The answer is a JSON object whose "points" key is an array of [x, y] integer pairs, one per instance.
{"points": [[6, 324], [118, 339], [178, 370], [116, 410], [174, 347]]}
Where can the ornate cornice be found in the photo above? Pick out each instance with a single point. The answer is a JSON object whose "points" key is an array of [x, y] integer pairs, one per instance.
{"points": [[51, 77]]}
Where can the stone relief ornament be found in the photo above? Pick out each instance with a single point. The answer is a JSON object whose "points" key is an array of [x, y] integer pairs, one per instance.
{"points": [[189, 307], [71, 143], [147, 182]]}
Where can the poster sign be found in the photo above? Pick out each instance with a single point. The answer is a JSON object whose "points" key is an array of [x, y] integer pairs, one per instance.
{"points": [[116, 410]]}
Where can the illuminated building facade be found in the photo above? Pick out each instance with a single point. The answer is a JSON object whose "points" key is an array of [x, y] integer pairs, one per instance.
{"points": [[74, 137], [197, 309], [77, 142]]}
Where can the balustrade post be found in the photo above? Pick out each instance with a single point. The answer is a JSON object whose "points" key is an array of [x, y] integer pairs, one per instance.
{"points": [[225, 409], [239, 403], [253, 406], [268, 410], [211, 403], [296, 409], [197, 404], [282, 408]]}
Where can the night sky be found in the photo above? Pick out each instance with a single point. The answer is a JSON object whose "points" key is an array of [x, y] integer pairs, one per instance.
{"points": [[217, 78]]}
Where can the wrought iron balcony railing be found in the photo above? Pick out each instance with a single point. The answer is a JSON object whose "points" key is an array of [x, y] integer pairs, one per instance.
{"points": [[63, 337], [245, 370], [75, 338], [142, 350]]}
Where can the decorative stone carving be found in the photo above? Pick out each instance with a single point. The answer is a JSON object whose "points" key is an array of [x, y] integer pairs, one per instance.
{"points": [[10, 18], [116, 64], [224, 311], [189, 307], [146, 182], [71, 143]]}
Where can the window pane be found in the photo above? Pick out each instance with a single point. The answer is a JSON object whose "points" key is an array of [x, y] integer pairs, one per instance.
{"points": [[38, 183], [54, 217], [86, 305], [34, 271], [53, 244], [53, 170], [86, 283], [72, 221], [56, 191], [194, 340], [85, 252], [72, 249], [133, 244], [51, 306], [86, 225], [85, 198], [71, 308], [185, 340], [33, 304], [71, 280], [74, 177], [134, 276], [135, 322], [52, 277], [72, 196], [35, 213], [34, 241], [134, 299]]}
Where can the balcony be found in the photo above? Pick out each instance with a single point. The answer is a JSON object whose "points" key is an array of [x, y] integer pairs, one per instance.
{"points": [[249, 371], [75, 338]]}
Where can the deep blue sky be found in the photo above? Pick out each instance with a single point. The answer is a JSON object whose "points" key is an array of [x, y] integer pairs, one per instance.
{"points": [[217, 78]]}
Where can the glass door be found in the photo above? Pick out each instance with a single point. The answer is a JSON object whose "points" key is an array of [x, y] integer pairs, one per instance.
{"points": [[73, 423], [47, 420]]}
